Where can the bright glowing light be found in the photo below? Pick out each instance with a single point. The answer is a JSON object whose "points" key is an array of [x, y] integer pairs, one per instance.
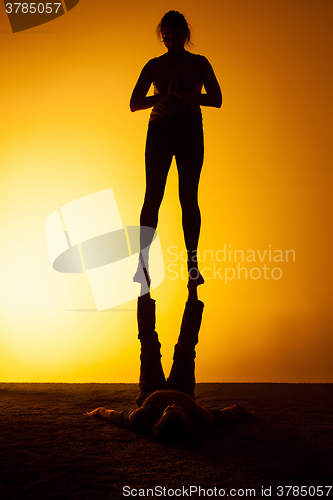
{"points": [[66, 131]]}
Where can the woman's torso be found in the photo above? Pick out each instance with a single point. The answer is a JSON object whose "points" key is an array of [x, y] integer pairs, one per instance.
{"points": [[155, 404], [187, 68]]}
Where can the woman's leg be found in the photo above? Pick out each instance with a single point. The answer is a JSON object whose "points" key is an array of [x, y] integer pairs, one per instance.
{"points": [[189, 159], [158, 160], [191, 219]]}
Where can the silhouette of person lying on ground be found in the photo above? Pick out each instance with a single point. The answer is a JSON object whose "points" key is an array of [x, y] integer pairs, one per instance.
{"points": [[167, 408]]}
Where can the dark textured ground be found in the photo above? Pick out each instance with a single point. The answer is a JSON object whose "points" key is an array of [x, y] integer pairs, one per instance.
{"points": [[49, 450]]}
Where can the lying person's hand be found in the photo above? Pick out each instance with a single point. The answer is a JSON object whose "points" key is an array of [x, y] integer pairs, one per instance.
{"points": [[94, 413]]}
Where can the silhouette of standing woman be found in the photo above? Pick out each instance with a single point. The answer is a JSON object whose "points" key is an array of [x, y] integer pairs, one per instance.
{"points": [[175, 129]]}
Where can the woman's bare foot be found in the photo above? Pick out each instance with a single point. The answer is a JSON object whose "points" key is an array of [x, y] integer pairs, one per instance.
{"points": [[142, 276], [194, 278]]}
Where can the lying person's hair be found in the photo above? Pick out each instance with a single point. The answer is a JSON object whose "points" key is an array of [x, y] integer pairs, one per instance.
{"points": [[171, 428]]}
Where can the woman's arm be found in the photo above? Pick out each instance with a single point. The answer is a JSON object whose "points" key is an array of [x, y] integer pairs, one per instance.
{"points": [[116, 417], [213, 96], [236, 411], [218, 417], [100, 412], [139, 99]]}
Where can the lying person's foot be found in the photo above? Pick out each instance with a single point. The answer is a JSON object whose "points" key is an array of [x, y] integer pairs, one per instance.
{"points": [[194, 278]]}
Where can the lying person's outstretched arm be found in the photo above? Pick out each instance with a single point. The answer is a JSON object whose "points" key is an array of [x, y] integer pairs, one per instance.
{"points": [[116, 417], [99, 412], [216, 417], [235, 411]]}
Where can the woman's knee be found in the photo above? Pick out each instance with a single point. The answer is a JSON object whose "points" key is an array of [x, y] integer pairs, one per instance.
{"points": [[189, 201], [149, 212], [152, 201]]}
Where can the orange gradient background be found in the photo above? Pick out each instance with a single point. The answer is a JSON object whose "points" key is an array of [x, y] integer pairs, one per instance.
{"points": [[67, 131]]}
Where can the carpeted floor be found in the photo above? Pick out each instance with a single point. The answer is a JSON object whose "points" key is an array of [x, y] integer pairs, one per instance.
{"points": [[49, 450]]}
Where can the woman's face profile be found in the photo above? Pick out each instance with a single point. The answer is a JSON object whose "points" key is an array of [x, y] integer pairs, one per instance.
{"points": [[173, 39], [174, 407]]}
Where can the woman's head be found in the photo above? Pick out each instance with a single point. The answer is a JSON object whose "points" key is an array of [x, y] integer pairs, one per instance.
{"points": [[174, 30], [173, 426]]}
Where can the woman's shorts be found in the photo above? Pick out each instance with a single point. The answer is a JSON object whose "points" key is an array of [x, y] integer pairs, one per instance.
{"points": [[180, 136]]}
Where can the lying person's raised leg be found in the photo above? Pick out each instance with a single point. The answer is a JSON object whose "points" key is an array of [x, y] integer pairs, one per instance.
{"points": [[182, 376], [151, 371]]}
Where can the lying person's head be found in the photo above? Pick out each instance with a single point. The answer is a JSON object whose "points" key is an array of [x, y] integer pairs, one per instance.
{"points": [[173, 426]]}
